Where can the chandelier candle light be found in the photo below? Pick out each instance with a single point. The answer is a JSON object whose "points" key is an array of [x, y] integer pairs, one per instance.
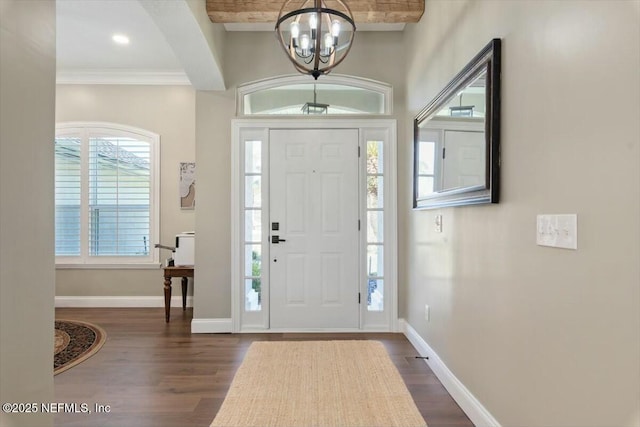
{"points": [[315, 38]]}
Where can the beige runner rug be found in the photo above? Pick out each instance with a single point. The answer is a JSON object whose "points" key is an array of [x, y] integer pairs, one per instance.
{"points": [[318, 383]]}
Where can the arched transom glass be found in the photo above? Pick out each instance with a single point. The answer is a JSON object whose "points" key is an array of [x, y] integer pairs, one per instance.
{"points": [[299, 95]]}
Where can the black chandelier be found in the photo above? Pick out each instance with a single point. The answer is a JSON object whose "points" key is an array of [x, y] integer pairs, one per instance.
{"points": [[315, 38]]}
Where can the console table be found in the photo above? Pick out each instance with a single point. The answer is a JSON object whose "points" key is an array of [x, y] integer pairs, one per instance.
{"points": [[169, 273]]}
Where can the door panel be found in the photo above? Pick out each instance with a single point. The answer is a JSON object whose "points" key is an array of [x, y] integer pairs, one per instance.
{"points": [[314, 198], [296, 267], [331, 267], [465, 165]]}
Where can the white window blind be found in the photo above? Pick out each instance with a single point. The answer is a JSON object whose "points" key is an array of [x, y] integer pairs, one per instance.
{"points": [[67, 195], [106, 195]]}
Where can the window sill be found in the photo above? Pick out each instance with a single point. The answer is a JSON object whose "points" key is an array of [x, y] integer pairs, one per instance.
{"points": [[114, 266]]}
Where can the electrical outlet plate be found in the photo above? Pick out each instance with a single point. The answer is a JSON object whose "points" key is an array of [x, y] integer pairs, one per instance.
{"points": [[557, 231]]}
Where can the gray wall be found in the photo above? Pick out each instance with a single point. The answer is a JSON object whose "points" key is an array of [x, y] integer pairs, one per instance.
{"points": [[212, 290], [27, 85], [541, 336]]}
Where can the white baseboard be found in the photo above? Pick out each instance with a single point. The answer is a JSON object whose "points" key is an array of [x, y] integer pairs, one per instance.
{"points": [[119, 301], [478, 414], [211, 326]]}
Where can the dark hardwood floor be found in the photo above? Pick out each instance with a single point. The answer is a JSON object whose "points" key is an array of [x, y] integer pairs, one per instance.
{"points": [[151, 373]]}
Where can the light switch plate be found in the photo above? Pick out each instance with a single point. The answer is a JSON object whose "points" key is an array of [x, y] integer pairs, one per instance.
{"points": [[438, 223], [557, 231]]}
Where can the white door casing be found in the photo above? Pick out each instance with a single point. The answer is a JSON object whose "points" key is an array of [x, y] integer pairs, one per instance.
{"points": [[313, 194], [246, 133]]}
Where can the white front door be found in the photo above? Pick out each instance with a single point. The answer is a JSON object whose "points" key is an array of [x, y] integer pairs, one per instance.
{"points": [[465, 164], [313, 194]]}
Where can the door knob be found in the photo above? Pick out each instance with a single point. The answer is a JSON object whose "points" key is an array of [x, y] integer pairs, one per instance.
{"points": [[277, 239]]}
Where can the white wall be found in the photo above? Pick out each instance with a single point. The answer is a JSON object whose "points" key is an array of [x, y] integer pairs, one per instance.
{"points": [[27, 88], [541, 336], [166, 110]]}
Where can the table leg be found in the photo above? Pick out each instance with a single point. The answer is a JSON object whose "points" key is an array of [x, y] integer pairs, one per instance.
{"points": [[167, 298], [184, 293]]}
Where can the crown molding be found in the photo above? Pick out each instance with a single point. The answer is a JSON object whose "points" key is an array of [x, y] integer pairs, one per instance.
{"points": [[122, 77]]}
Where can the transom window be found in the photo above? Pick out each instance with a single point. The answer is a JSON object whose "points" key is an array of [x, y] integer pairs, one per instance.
{"points": [[106, 195], [299, 95]]}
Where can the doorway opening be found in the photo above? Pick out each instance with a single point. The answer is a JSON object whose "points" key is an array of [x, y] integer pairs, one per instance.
{"points": [[313, 225]]}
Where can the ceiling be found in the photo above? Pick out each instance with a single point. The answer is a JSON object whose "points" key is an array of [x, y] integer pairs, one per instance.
{"points": [[167, 41], [84, 30]]}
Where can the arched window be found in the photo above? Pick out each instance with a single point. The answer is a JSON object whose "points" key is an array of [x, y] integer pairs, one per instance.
{"points": [[106, 194], [299, 95]]}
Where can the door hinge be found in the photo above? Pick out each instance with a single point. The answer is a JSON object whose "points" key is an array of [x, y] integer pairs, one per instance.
{"points": [[358, 225], [358, 297], [443, 152], [358, 151]]}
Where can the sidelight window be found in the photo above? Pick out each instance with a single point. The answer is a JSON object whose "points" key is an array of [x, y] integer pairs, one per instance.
{"points": [[375, 225], [253, 225]]}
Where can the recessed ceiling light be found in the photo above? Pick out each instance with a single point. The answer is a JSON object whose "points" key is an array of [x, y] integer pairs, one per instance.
{"points": [[120, 39]]}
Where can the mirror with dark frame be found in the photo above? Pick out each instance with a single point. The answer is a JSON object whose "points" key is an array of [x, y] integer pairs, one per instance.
{"points": [[457, 138]]}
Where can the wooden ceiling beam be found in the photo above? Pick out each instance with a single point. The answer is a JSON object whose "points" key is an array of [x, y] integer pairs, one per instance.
{"points": [[364, 11]]}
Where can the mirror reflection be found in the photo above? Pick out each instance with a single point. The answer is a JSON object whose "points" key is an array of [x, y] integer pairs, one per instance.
{"points": [[451, 146], [456, 141]]}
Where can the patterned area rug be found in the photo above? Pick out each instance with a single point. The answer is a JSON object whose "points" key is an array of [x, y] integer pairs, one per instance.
{"points": [[75, 342]]}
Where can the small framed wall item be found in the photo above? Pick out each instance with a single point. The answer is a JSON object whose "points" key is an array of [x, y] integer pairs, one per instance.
{"points": [[187, 185]]}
